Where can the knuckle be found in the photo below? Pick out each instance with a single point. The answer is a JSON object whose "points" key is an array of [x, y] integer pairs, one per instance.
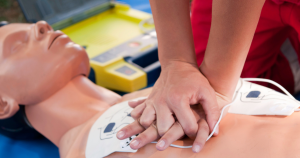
{"points": [[143, 138], [170, 136], [163, 127], [177, 106], [191, 129], [127, 129], [158, 102], [204, 127], [161, 132], [177, 98], [177, 124], [134, 115], [145, 123], [130, 127]]}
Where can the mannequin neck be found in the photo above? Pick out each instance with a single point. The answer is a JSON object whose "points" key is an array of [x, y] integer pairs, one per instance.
{"points": [[71, 106]]}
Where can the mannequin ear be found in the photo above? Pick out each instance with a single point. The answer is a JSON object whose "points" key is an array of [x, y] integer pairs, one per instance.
{"points": [[8, 107]]}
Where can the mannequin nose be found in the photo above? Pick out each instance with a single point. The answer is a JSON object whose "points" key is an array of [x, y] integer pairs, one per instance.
{"points": [[42, 28]]}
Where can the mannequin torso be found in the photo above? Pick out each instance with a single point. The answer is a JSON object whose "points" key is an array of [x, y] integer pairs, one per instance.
{"points": [[240, 135]]}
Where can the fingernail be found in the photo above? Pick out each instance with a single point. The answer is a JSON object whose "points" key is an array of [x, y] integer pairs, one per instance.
{"points": [[133, 101], [120, 134], [161, 144], [196, 148], [135, 143]]}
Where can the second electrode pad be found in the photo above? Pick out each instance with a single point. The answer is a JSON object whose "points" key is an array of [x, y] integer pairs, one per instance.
{"points": [[102, 139], [254, 99]]}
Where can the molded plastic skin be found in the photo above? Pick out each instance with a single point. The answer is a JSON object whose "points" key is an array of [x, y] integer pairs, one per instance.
{"points": [[62, 104], [34, 59], [240, 136]]}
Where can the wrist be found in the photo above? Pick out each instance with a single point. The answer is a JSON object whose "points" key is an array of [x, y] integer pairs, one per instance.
{"points": [[223, 85], [177, 63]]}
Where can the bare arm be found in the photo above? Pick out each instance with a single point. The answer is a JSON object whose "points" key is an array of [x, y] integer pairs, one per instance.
{"points": [[181, 84], [232, 30], [174, 31]]}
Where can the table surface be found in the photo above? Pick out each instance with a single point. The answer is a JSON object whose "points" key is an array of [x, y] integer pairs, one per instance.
{"points": [[43, 148]]}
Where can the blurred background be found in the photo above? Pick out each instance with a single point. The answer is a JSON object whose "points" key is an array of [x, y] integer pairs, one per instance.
{"points": [[10, 11]]}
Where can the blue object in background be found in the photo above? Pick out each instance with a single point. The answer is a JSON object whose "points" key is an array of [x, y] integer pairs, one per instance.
{"points": [[43, 148], [39, 148], [142, 5], [297, 96]]}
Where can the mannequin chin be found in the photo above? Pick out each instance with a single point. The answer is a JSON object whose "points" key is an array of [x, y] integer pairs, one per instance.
{"points": [[45, 71]]}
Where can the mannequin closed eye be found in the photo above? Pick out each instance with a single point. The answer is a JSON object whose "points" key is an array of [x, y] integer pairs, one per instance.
{"points": [[16, 45]]}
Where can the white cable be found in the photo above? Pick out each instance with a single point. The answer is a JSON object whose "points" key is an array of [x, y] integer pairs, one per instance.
{"points": [[176, 146], [220, 118], [272, 82]]}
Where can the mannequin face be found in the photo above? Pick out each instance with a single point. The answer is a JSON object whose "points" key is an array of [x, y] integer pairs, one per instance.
{"points": [[35, 62]]}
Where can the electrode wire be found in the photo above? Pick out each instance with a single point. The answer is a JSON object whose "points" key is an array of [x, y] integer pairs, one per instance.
{"points": [[221, 115]]}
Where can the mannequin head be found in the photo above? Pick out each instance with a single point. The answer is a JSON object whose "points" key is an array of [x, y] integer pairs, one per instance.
{"points": [[36, 62]]}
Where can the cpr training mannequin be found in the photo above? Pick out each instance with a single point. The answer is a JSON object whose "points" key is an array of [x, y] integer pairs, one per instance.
{"points": [[46, 72]]}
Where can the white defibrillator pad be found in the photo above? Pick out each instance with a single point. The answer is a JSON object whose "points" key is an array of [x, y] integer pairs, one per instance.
{"points": [[102, 139], [249, 99], [254, 99]]}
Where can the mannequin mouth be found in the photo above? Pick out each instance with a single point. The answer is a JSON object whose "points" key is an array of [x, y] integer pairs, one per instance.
{"points": [[53, 41], [54, 37]]}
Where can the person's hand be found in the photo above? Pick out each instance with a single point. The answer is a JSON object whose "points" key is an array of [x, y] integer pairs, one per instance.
{"points": [[179, 86], [174, 133]]}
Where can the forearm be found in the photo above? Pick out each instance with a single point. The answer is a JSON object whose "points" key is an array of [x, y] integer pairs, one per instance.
{"points": [[174, 31], [232, 30]]}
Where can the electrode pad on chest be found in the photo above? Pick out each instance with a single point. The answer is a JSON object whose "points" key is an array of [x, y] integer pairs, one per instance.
{"points": [[249, 99], [254, 99], [102, 139]]}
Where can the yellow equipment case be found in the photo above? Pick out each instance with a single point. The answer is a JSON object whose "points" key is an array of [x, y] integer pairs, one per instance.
{"points": [[121, 42]]}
